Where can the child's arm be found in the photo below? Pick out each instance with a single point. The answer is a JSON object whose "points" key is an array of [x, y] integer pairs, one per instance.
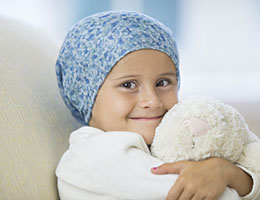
{"points": [[220, 170], [101, 165], [113, 165]]}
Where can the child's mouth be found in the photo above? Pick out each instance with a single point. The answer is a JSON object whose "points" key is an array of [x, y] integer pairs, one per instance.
{"points": [[147, 118]]}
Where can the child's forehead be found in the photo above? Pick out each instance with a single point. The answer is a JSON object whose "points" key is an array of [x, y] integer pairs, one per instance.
{"points": [[143, 61], [143, 55]]}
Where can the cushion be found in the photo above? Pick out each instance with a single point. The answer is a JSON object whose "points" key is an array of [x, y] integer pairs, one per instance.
{"points": [[34, 122]]}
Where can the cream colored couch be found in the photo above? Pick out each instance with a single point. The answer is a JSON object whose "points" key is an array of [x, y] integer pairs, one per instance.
{"points": [[34, 122]]}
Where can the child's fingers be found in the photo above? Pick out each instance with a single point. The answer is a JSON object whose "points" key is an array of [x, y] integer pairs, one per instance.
{"points": [[175, 193], [169, 168]]}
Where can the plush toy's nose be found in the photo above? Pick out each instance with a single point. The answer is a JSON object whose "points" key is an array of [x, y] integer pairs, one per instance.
{"points": [[196, 126]]}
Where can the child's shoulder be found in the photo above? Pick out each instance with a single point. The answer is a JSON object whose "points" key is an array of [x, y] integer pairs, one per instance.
{"points": [[86, 130], [91, 136]]}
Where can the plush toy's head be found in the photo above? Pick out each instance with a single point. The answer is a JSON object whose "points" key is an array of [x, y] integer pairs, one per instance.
{"points": [[198, 128]]}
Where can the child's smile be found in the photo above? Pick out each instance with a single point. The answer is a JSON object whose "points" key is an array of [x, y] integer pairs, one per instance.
{"points": [[136, 94], [147, 119]]}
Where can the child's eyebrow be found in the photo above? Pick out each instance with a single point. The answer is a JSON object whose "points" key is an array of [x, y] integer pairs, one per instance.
{"points": [[137, 75], [126, 76], [168, 74]]}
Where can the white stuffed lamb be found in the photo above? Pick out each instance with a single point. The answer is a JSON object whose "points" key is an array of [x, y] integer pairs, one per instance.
{"points": [[202, 127]]}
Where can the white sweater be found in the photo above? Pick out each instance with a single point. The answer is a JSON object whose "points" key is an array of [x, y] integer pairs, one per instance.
{"points": [[116, 165]]}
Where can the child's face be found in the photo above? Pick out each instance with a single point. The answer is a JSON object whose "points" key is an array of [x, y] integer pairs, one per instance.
{"points": [[136, 94]]}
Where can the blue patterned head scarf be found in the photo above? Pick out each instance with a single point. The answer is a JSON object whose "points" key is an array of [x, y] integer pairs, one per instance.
{"points": [[95, 44]]}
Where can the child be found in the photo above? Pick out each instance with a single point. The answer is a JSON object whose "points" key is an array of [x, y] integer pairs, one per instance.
{"points": [[118, 73]]}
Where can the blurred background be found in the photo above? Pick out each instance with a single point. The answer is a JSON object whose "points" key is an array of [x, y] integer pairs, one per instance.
{"points": [[218, 40]]}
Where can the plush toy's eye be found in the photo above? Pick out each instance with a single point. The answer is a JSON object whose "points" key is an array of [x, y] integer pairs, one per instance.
{"points": [[193, 145]]}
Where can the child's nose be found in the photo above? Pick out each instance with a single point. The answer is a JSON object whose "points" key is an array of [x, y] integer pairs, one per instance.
{"points": [[149, 98]]}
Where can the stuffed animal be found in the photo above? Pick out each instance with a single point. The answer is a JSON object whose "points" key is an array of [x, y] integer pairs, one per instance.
{"points": [[202, 127]]}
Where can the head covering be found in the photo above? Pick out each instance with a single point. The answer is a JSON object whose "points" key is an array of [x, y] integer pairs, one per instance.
{"points": [[95, 44]]}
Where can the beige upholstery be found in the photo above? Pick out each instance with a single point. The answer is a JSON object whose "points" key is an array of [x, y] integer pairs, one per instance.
{"points": [[34, 122]]}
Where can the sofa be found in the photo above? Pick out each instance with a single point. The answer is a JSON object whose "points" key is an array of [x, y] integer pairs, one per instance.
{"points": [[34, 122]]}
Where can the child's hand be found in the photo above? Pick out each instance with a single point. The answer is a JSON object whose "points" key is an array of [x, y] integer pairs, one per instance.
{"points": [[201, 180]]}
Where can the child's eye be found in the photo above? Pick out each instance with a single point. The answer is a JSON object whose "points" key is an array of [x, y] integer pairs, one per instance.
{"points": [[129, 85], [163, 83]]}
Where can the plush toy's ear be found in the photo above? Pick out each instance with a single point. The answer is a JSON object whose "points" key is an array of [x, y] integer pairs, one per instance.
{"points": [[196, 126]]}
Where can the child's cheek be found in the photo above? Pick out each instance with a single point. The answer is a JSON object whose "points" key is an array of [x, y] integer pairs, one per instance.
{"points": [[124, 104]]}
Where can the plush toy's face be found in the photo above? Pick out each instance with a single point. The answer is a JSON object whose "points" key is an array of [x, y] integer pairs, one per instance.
{"points": [[200, 128]]}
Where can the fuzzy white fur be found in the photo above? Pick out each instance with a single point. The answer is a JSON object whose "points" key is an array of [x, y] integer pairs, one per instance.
{"points": [[202, 127]]}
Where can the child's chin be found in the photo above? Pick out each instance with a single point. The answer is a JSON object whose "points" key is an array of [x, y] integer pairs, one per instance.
{"points": [[146, 130]]}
